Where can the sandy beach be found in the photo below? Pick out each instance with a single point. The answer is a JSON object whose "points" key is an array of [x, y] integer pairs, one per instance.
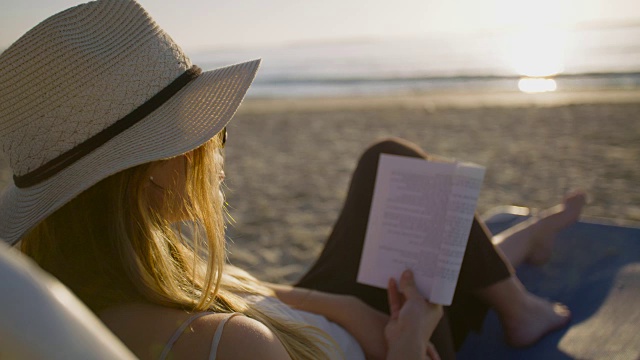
{"points": [[289, 161]]}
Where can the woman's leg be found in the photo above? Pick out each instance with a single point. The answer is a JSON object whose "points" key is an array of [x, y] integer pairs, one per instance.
{"points": [[524, 316]]}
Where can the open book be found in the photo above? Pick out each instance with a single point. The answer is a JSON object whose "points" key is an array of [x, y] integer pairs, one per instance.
{"points": [[420, 218]]}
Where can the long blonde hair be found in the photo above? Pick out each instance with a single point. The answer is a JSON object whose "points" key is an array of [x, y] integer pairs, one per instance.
{"points": [[110, 247]]}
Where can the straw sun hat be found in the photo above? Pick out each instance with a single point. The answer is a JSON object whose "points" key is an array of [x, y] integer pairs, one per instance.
{"points": [[94, 90]]}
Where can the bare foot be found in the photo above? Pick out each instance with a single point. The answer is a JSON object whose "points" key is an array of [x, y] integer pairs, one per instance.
{"points": [[550, 222], [537, 318], [525, 317]]}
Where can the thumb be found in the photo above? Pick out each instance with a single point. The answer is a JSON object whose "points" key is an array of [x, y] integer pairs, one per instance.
{"points": [[408, 285]]}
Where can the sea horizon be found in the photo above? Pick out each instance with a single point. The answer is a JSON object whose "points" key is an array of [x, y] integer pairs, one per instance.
{"points": [[552, 59]]}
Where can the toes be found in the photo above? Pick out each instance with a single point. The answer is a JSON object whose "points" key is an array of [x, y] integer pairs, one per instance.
{"points": [[575, 200], [563, 312]]}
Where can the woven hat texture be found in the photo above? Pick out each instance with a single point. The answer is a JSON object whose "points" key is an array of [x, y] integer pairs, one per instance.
{"points": [[80, 71]]}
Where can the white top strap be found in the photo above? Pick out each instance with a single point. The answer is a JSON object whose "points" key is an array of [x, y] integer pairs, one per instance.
{"points": [[216, 337], [179, 332]]}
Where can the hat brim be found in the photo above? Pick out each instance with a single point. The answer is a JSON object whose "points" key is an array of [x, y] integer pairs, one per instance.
{"points": [[190, 118]]}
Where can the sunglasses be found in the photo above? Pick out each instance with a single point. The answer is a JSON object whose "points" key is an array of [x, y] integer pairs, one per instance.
{"points": [[223, 132]]}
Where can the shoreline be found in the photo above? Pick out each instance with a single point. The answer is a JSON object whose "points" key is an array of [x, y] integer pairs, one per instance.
{"points": [[439, 100]]}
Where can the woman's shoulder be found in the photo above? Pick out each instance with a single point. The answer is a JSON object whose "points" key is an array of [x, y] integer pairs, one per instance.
{"points": [[246, 338], [147, 329]]}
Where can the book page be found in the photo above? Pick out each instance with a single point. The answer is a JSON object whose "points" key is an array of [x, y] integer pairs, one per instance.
{"points": [[465, 189], [408, 224]]}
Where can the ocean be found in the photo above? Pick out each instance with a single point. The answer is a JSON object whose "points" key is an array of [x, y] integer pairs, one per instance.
{"points": [[530, 60]]}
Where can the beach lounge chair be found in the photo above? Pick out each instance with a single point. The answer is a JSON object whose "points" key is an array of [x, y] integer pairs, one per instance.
{"points": [[41, 319]]}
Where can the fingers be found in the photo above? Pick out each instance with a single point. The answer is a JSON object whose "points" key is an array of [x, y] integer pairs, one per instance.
{"points": [[395, 302], [408, 285], [409, 289], [432, 353], [397, 296]]}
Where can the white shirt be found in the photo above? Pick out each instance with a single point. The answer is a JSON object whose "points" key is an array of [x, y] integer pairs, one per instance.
{"points": [[349, 346]]}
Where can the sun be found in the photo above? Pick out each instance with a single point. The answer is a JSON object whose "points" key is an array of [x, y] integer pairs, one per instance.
{"points": [[537, 53]]}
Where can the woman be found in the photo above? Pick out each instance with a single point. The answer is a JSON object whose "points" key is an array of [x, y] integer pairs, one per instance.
{"points": [[115, 141]]}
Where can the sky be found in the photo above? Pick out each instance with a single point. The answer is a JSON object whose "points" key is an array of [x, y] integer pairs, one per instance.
{"points": [[204, 24]]}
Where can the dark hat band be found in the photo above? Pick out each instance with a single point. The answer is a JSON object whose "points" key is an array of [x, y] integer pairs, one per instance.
{"points": [[67, 158]]}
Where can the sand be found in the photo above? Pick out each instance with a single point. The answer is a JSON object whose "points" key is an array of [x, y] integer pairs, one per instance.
{"points": [[289, 161]]}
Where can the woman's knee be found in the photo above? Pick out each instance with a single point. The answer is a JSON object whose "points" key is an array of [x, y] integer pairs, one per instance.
{"points": [[393, 146], [367, 168]]}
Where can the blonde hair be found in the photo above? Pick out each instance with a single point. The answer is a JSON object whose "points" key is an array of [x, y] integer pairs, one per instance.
{"points": [[110, 237]]}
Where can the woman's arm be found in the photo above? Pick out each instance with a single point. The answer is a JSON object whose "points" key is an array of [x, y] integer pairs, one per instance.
{"points": [[359, 319], [306, 299], [404, 335], [328, 305]]}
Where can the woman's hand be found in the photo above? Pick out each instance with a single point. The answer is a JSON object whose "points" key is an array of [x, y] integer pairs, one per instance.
{"points": [[412, 321], [371, 328]]}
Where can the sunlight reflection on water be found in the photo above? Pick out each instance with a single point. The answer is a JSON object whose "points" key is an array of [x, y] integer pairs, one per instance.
{"points": [[536, 85]]}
